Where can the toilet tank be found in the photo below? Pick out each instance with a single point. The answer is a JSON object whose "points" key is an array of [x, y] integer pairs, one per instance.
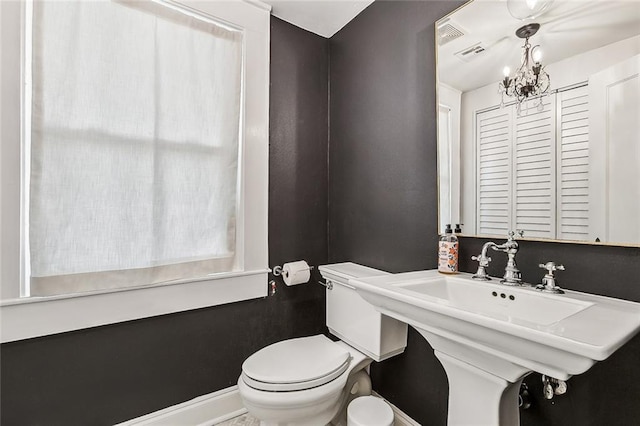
{"points": [[355, 321]]}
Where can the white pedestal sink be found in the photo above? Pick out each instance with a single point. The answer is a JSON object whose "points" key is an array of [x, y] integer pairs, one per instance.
{"points": [[489, 336]]}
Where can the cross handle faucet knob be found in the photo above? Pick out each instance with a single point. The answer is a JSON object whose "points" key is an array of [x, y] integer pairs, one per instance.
{"points": [[549, 284], [483, 260], [512, 234], [551, 267]]}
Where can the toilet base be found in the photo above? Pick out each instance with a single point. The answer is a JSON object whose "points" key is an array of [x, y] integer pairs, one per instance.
{"points": [[358, 385], [332, 409]]}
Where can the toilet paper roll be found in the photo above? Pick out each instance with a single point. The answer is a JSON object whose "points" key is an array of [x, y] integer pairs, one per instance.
{"points": [[296, 272]]}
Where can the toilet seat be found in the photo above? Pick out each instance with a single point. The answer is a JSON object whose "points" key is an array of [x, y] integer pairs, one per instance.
{"points": [[295, 364]]}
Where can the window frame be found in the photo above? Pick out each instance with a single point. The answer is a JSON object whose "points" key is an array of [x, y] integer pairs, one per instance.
{"points": [[27, 317]]}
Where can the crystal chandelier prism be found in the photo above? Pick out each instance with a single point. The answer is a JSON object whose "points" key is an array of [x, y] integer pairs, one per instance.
{"points": [[530, 81]]}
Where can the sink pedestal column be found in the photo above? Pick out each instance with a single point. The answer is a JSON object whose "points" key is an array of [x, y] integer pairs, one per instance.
{"points": [[477, 397], [483, 383]]}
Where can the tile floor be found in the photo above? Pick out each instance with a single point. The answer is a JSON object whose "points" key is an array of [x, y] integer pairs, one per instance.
{"points": [[248, 420], [243, 420]]}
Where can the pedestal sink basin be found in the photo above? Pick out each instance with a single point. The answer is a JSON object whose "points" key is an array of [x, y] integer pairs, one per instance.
{"points": [[489, 336]]}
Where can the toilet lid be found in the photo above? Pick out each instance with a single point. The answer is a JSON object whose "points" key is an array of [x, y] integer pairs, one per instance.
{"points": [[295, 364]]}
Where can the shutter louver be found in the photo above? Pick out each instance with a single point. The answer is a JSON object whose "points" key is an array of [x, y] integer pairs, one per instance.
{"points": [[494, 135], [573, 173], [534, 172]]}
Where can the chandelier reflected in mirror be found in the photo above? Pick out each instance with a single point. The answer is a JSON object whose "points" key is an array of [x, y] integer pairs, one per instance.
{"points": [[530, 81]]}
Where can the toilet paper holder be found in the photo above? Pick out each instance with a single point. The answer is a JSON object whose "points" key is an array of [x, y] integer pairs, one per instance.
{"points": [[277, 270]]}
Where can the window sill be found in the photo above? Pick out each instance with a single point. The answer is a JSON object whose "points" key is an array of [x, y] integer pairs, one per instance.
{"points": [[40, 316]]}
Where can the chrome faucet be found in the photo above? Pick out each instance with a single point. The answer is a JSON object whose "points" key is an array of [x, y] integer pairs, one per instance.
{"points": [[511, 271], [483, 262]]}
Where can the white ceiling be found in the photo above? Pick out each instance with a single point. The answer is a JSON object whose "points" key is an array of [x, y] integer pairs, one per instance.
{"points": [[567, 29], [322, 17]]}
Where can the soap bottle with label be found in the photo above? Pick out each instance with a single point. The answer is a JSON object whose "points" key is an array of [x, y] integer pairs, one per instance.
{"points": [[448, 252]]}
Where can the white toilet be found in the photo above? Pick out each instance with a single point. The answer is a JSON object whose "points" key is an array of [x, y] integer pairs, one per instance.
{"points": [[310, 381]]}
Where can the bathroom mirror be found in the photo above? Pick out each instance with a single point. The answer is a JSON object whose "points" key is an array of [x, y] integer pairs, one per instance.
{"points": [[561, 164]]}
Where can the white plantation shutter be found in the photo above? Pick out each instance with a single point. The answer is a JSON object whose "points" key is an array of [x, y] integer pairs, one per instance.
{"points": [[534, 171], [533, 168], [573, 160], [494, 129]]}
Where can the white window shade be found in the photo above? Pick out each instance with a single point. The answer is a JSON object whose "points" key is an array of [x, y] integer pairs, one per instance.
{"points": [[26, 317], [135, 134]]}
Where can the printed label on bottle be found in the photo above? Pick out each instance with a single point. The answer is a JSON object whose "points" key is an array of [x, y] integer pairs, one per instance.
{"points": [[448, 256]]}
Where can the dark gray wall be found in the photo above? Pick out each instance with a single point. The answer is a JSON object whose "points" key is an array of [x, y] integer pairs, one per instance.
{"points": [[383, 213], [109, 374], [382, 136], [382, 168]]}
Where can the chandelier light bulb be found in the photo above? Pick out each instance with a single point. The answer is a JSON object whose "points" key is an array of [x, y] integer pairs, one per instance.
{"points": [[527, 9], [506, 71], [536, 54]]}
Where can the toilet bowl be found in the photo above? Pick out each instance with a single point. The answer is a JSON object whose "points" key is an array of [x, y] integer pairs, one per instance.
{"points": [[310, 381], [280, 387]]}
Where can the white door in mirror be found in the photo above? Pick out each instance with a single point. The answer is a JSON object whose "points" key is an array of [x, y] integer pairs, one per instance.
{"points": [[614, 169]]}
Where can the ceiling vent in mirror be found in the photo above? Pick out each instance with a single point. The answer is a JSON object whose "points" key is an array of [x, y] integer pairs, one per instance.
{"points": [[448, 32], [471, 53]]}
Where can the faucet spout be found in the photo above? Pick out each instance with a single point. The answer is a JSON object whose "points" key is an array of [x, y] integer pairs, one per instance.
{"points": [[486, 246], [511, 271], [483, 262]]}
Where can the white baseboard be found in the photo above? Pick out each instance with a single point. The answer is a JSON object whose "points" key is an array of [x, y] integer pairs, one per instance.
{"points": [[217, 407], [206, 410]]}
